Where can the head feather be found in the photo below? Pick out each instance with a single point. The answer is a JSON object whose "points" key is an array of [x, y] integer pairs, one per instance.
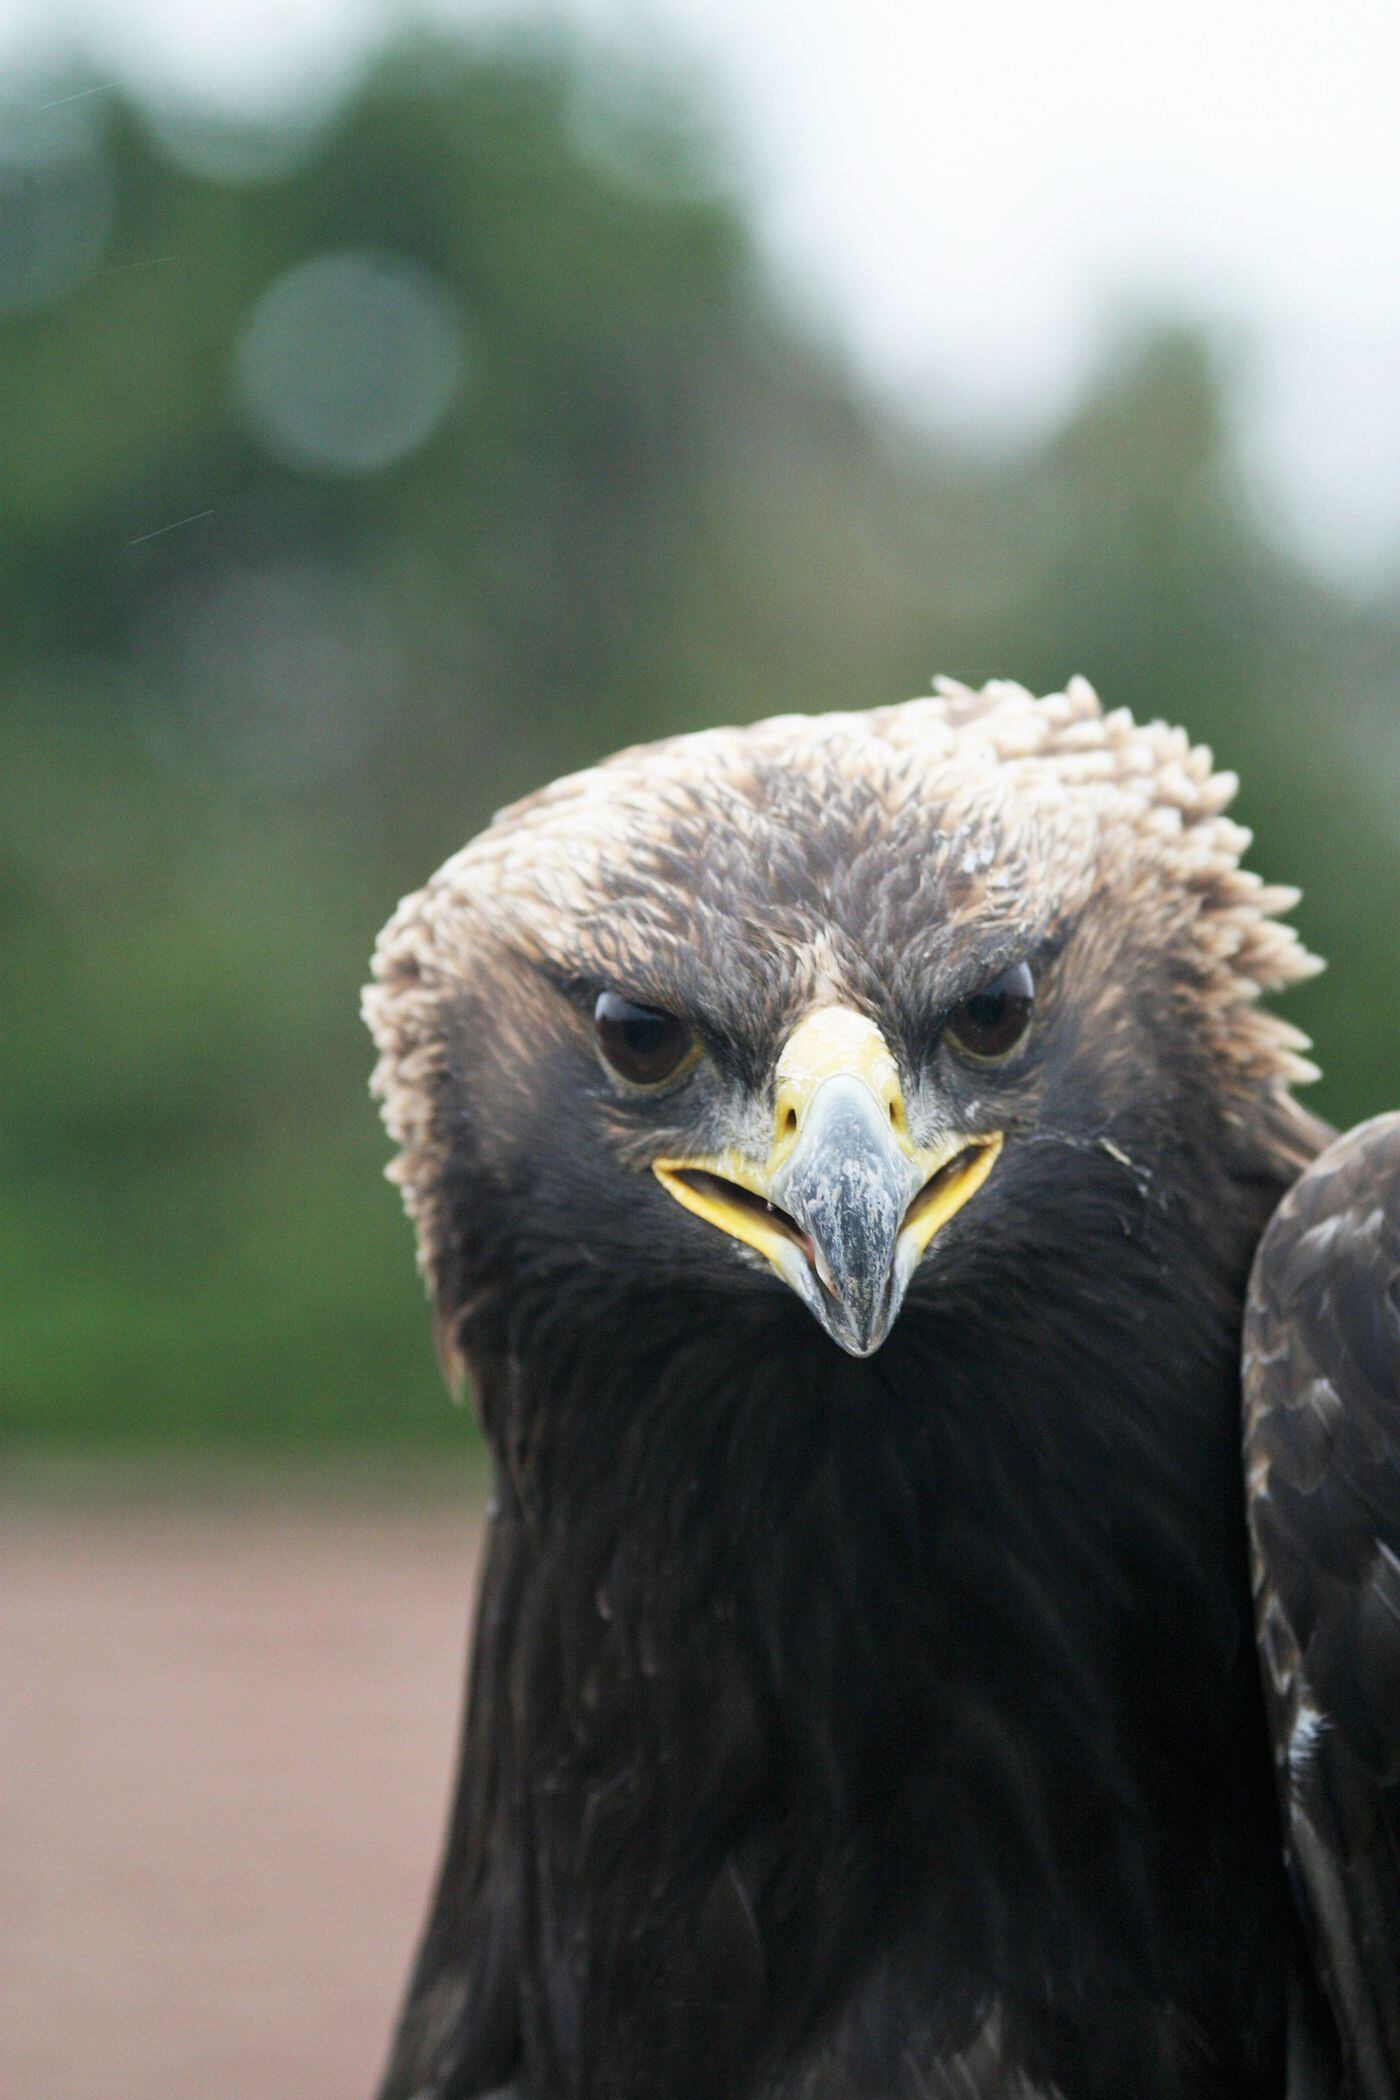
{"points": [[1026, 796]]}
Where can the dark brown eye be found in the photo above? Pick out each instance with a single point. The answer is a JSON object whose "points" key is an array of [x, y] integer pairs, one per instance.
{"points": [[640, 1043], [992, 1022]]}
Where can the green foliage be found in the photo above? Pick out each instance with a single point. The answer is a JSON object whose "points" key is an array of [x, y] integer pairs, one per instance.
{"points": [[653, 502]]}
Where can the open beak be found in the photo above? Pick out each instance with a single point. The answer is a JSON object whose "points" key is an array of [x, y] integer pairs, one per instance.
{"points": [[845, 1204]]}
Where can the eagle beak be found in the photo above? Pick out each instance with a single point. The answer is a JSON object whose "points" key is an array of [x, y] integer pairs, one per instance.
{"points": [[845, 1204]]}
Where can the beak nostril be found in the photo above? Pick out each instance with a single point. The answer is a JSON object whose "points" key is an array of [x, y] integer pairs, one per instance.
{"points": [[789, 1122]]}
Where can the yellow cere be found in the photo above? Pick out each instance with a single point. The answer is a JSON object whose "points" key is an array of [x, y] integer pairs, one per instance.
{"points": [[833, 1041]]}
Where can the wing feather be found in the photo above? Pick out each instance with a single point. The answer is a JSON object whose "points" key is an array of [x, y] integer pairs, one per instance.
{"points": [[1322, 1441]]}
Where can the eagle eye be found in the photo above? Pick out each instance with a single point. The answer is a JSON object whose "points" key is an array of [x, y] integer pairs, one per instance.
{"points": [[990, 1023], [640, 1043]]}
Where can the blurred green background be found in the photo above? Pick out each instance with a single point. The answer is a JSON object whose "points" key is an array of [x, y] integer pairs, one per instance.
{"points": [[363, 473]]}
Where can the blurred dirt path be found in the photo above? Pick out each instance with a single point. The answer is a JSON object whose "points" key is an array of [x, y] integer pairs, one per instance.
{"points": [[226, 1736]]}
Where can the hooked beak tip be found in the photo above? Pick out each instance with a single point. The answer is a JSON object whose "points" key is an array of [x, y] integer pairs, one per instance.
{"points": [[860, 1340]]}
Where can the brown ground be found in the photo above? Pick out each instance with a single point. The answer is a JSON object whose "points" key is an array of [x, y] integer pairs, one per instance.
{"points": [[226, 1732]]}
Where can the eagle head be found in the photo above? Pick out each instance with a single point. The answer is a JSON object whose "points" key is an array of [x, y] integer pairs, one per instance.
{"points": [[851, 1011]]}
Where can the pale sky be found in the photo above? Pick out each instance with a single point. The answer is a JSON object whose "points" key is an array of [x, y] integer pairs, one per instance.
{"points": [[977, 199]]}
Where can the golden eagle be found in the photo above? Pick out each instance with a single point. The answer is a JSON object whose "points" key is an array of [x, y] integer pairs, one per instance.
{"points": [[838, 1150]]}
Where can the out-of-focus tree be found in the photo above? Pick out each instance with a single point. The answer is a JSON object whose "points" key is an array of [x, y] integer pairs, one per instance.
{"points": [[361, 477]]}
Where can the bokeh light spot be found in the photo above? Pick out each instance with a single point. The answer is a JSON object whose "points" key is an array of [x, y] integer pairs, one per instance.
{"points": [[231, 147], [349, 362]]}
